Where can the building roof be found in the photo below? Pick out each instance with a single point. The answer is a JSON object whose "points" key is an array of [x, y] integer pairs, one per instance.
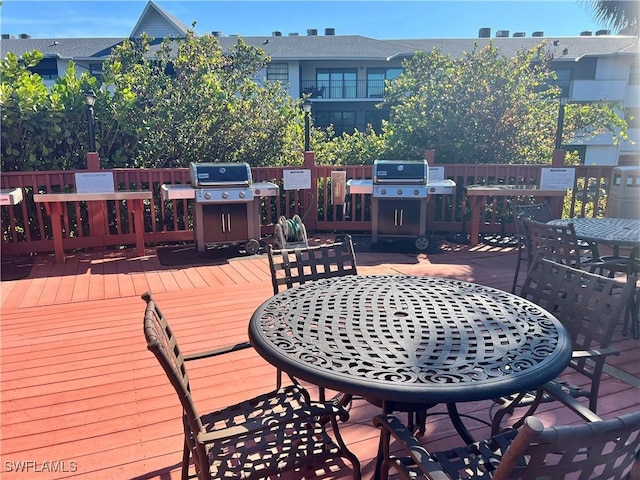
{"points": [[158, 23], [342, 47], [154, 17]]}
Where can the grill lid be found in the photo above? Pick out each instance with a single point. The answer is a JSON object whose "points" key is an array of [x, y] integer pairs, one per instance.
{"points": [[400, 172], [220, 174]]}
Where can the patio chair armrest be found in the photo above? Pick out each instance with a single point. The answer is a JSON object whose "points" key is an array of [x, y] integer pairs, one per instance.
{"points": [[413, 455], [601, 352], [217, 351], [313, 412], [555, 390]]}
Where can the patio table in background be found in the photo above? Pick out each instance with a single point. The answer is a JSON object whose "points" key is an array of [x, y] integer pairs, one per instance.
{"points": [[478, 198], [54, 206], [617, 232], [407, 339]]}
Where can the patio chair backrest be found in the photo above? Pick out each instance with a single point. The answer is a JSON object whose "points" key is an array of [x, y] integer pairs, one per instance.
{"points": [[540, 212], [163, 344], [296, 266], [603, 450], [557, 242], [598, 450], [588, 305]]}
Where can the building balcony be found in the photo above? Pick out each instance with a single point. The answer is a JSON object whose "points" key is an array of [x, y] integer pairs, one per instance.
{"points": [[598, 90], [372, 90]]}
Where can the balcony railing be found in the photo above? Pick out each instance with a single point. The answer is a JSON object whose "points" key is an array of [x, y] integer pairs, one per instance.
{"points": [[343, 89]]}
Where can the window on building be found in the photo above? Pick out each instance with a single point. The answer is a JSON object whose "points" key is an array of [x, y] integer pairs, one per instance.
{"points": [[375, 117], [585, 69], [343, 122], [278, 72], [581, 150], [376, 78], [337, 83], [564, 80], [47, 68], [95, 70]]}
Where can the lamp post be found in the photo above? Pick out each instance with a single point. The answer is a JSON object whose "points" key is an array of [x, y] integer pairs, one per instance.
{"points": [[560, 125], [306, 106], [90, 98]]}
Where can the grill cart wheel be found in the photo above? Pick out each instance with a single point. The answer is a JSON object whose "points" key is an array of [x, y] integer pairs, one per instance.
{"points": [[421, 243], [252, 246]]}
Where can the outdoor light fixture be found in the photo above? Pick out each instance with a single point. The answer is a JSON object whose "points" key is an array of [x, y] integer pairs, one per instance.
{"points": [[90, 98], [306, 106]]}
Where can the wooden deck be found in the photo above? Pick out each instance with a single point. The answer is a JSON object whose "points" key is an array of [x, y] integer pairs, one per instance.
{"points": [[83, 398]]}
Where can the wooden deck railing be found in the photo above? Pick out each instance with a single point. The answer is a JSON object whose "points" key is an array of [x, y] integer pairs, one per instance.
{"points": [[26, 228]]}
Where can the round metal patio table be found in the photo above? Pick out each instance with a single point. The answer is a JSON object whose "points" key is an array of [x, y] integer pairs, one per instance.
{"points": [[617, 232], [410, 339]]}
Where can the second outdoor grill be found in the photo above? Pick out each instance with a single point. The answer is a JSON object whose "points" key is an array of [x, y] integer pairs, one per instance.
{"points": [[399, 191], [227, 207]]}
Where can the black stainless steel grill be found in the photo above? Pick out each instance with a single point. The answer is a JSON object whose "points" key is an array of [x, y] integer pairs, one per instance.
{"points": [[399, 192], [222, 182], [400, 179], [227, 207]]}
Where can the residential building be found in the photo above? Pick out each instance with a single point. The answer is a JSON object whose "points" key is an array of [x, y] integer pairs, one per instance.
{"points": [[345, 74]]}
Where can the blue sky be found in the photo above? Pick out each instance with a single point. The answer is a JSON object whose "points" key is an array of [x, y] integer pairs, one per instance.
{"points": [[377, 19]]}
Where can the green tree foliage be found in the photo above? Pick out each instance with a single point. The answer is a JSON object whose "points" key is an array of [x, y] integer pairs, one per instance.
{"points": [[485, 108], [347, 149], [185, 101], [40, 126], [622, 15]]}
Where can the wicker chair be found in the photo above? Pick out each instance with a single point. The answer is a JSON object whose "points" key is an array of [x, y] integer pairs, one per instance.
{"points": [[539, 212], [276, 432], [603, 449], [589, 306]]}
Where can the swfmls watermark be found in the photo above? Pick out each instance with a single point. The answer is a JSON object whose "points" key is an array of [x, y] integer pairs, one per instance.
{"points": [[40, 466]]}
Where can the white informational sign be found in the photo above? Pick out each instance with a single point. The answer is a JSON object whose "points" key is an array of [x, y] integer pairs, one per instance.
{"points": [[557, 178], [94, 182], [297, 179], [436, 173]]}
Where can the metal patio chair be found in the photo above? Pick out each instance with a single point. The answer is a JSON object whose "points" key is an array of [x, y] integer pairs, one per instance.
{"points": [[295, 266], [560, 244], [589, 306], [275, 432], [290, 267], [540, 212], [602, 449]]}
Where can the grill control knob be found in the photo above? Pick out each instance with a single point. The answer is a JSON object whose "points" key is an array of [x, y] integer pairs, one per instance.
{"points": [[225, 195], [416, 192], [383, 191], [399, 191], [207, 195], [241, 194]]}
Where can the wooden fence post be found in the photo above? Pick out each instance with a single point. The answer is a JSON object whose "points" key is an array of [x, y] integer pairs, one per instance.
{"points": [[97, 211], [310, 197], [557, 203]]}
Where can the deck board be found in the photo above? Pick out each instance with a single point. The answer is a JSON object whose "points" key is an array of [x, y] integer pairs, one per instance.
{"points": [[78, 384]]}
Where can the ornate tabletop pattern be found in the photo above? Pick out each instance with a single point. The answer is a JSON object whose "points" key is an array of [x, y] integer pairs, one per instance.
{"points": [[405, 338]]}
